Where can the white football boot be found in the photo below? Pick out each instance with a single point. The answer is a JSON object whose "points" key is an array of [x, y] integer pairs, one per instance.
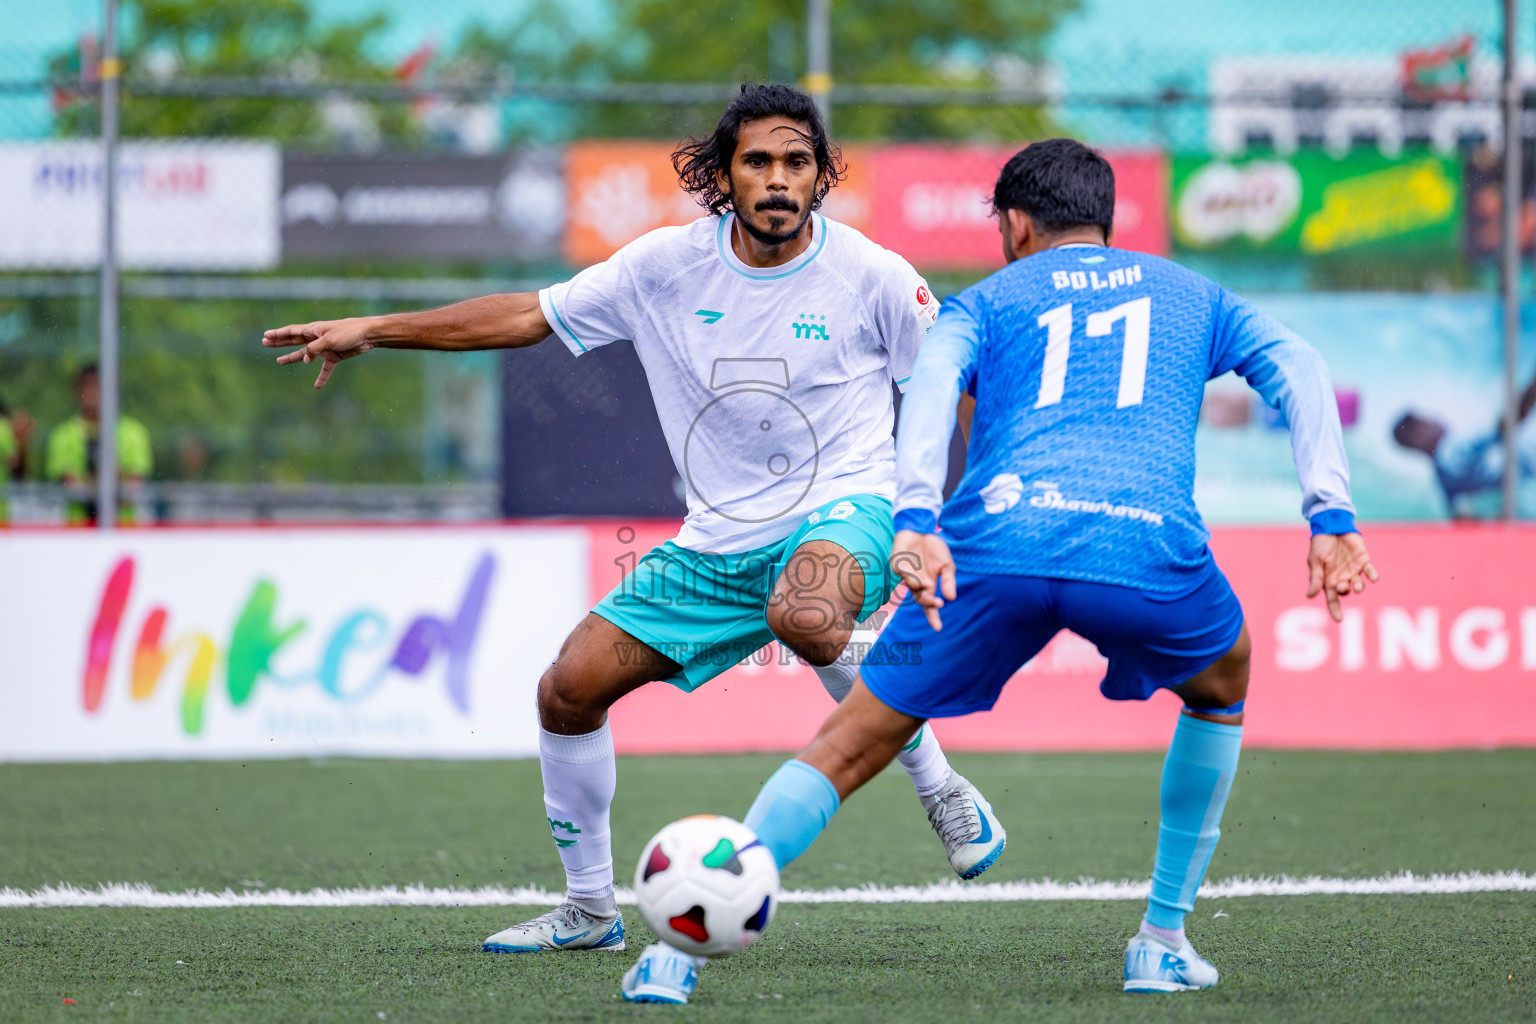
{"points": [[662, 975], [1153, 965], [567, 927], [972, 836]]}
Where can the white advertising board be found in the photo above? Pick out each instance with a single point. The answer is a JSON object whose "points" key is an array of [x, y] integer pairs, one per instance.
{"points": [[281, 642], [181, 205]]}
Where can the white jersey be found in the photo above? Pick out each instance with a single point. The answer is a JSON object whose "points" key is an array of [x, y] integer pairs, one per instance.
{"points": [[773, 384]]}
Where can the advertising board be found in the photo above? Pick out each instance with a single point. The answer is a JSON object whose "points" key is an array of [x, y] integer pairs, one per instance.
{"points": [[198, 205], [507, 208], [280, 643], [1315, 204], [933, 204]]}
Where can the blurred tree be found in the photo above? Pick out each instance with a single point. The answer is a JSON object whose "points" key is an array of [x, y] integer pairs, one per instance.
{"points": [[167, 41], [943, 43]]}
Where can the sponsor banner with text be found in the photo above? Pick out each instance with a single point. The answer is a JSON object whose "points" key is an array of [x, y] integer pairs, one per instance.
{"points": [[1316, 204], [1442, 654], [933, 203], [416, 206], [281, 643], [198, 205]]}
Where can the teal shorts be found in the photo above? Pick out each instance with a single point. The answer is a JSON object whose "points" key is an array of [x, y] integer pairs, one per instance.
{"points": [[708, 612]]}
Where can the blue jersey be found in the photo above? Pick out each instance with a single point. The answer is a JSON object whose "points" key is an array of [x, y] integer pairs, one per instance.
{"points": [[1088, 365]]}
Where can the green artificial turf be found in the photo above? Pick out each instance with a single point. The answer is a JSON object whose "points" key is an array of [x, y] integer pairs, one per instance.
{"points": [[301, 825]]}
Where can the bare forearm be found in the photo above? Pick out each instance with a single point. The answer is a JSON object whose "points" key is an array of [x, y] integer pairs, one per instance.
{"points": [[491, 321]]}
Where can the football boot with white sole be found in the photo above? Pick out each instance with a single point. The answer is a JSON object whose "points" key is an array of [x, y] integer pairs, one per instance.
{"points": [[972, 836], [567, 927], [662, 975], [1153, 965]]}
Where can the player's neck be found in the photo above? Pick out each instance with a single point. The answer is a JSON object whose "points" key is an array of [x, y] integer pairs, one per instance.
{"points": [[1075, 238], [756, 253]]}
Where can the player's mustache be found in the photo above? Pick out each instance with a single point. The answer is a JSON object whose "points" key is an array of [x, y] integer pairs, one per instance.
{"points": [[784, 203]]}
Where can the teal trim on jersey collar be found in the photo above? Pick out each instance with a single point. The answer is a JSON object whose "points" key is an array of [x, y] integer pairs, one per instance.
{"points": [[799, 263]]}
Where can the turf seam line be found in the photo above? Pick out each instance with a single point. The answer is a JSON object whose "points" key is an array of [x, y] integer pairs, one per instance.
{"points": [[129, 894]]}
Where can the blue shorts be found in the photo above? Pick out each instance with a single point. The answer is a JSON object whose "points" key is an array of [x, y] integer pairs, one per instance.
{"points": [[997, 623]]}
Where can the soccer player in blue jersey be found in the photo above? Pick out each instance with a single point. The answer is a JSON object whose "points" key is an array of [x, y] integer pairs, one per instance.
{"points": [[1076, 511]]}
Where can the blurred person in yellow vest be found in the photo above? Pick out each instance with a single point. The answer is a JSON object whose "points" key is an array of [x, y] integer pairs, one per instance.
{"points": [[15, 435], [74, 449]]}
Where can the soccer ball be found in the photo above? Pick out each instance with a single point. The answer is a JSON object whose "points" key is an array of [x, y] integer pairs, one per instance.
{"points": [[707, 886]]}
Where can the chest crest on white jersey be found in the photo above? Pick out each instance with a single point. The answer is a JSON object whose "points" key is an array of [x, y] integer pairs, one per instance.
{"points": [[810, 327]]}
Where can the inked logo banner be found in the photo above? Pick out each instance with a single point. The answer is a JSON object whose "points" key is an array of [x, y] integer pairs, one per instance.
{"points": [[281, 643]]}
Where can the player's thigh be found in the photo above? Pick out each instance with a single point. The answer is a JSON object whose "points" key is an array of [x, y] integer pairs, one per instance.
{"points": [[598, 663], [990, 630], [1153, 641]]}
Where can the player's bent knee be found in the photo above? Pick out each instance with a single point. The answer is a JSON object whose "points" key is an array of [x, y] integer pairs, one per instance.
{"points": [[1223, 684], [820, 647], [564, 706]]}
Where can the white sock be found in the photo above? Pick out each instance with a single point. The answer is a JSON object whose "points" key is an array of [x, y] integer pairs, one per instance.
{"points": [[925, 762], [923, 759], [1173, 936], [579, 782]]}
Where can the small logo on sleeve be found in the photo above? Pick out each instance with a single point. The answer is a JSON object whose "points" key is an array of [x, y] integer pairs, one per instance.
{"points": [[709, 315]]}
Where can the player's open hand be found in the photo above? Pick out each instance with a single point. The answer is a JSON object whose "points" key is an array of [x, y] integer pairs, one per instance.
{"points": [[1338, 565], [330, 341], [924, 563]]}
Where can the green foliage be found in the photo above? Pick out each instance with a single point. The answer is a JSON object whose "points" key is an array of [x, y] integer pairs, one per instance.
{"points": [[195, 374], [960, 44], [169, 41]]}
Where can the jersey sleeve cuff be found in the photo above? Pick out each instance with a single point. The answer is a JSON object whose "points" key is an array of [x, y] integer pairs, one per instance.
{"points": [[918, 520], [1335, 521], [557, 323]]}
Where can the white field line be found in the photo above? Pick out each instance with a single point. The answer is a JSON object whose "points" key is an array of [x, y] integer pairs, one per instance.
{"points": [[124, 894]]}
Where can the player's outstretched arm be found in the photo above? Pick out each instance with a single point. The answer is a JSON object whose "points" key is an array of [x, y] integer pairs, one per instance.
{"points": [[491, 321], [1338, 565], [924, 563]]}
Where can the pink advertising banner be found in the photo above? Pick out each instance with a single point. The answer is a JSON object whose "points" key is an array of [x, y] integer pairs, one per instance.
{"points": [[1441, 655], [932, 203], [219, 643]]}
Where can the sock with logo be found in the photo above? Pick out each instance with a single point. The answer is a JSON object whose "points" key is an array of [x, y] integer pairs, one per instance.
{"points": [[791, 810], [923, 758], [1197, 776], [579, 782]]}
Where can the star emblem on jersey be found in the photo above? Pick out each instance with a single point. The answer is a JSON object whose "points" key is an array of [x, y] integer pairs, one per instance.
{"points": [[709, 315], [810, 325]]}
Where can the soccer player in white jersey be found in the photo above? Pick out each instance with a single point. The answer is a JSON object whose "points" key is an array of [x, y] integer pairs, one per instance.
{"points": [[770, 337]]}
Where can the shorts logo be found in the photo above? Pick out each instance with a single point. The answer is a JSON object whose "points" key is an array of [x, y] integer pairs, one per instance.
{"points": [[842, 510], [1002, 493]]}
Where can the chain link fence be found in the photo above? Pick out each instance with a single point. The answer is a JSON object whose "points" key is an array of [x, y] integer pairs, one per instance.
{"points": [[286, 160]]}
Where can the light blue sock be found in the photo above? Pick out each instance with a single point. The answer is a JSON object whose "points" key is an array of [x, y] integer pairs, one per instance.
{"points": [[791, 810], [1197, 776]]}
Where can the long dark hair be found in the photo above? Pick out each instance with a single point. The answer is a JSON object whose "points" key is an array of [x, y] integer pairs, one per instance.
{"points": [[697, 160]]}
